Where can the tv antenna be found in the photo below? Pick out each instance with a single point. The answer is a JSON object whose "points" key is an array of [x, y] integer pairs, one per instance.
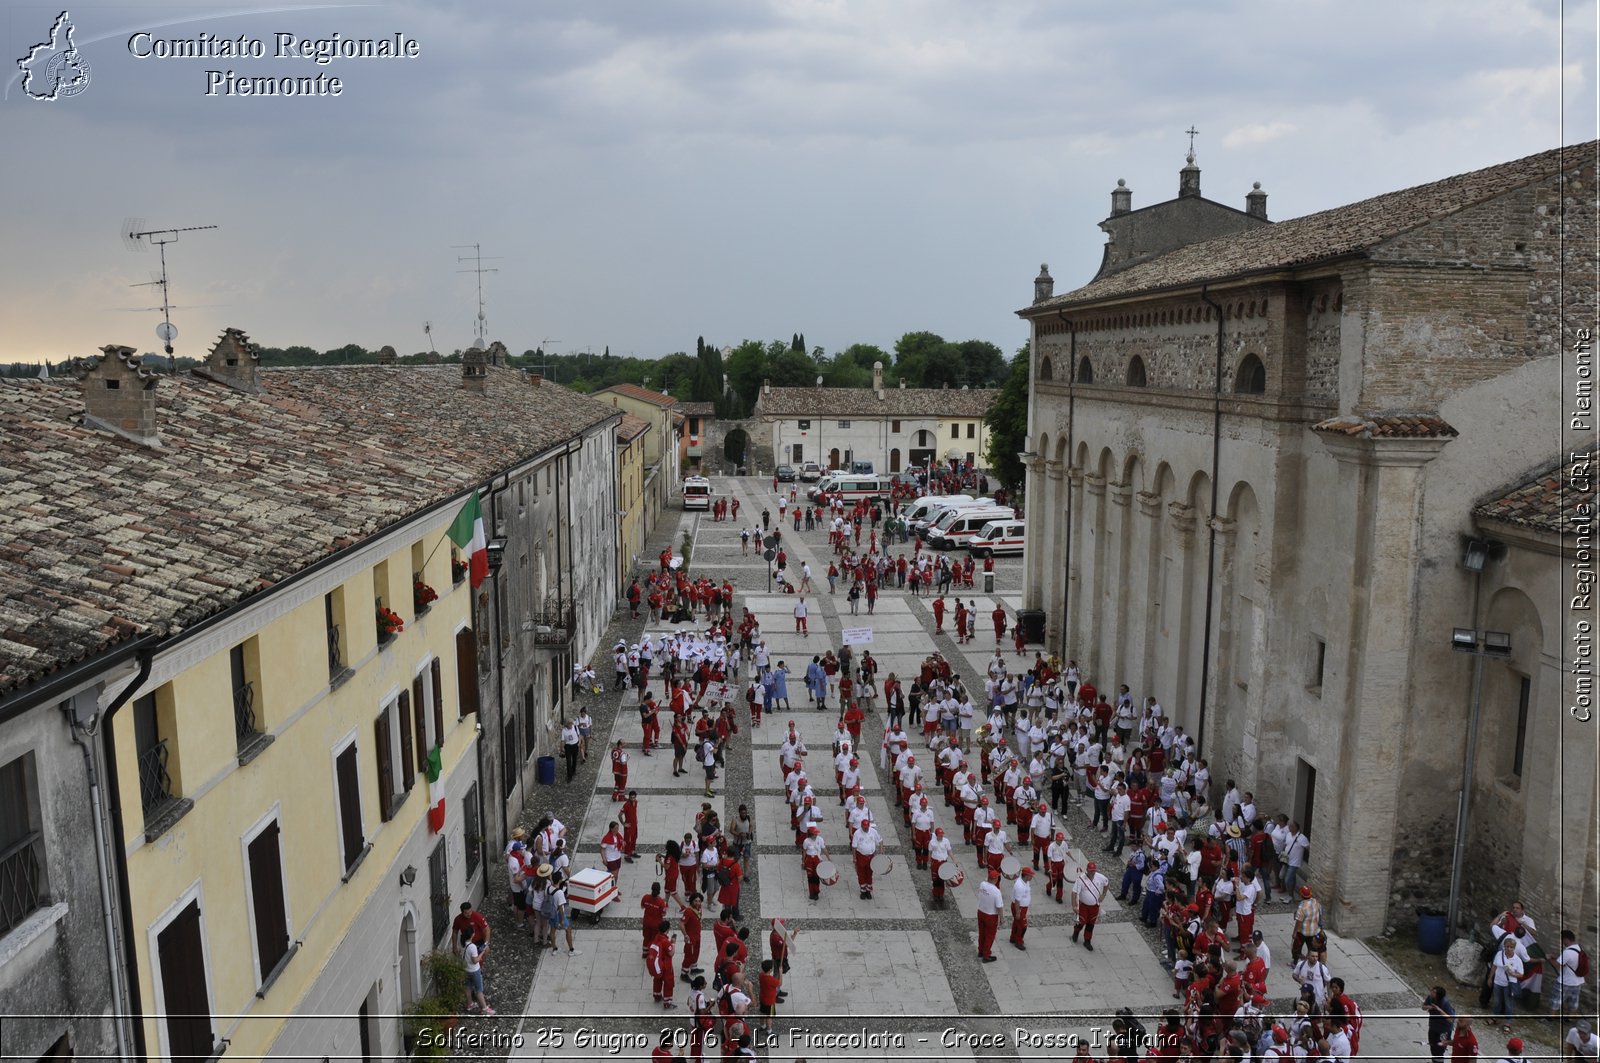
{"points": [[427, 329], [137, 238], [477, 259]]}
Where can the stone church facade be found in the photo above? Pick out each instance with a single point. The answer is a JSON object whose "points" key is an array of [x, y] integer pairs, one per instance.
{"points": [[1255, 450]]}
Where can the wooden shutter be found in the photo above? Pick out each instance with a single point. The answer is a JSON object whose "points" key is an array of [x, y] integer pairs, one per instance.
{"points": [[437, 676], [350, 806], [380, 734], [466, 671], [408, 765], [183, 988], [266, 892], [419, 705]]}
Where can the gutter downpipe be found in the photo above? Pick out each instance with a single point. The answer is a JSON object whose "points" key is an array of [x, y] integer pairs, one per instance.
{"points": [[1072, 427], [129, 979], [1211, 526]]}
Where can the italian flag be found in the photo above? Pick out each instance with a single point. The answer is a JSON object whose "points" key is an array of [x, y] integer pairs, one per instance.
{"points": [[467, 533]]}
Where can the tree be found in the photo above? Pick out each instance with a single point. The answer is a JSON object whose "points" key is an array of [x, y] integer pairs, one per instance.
{"points": [[793, 369], [911, 353], [985, 363], [746, 367], [943, 366], [1008, 423]]}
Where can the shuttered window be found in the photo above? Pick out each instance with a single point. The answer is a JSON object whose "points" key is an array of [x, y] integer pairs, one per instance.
{"points": [[351, 835], [419, 707], [466, 671], [385, 758], [183, 988], [408, 767], [437, 671], [266, 894]]}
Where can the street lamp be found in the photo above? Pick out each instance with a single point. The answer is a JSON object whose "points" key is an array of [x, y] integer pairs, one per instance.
{"points": [[1479, 644]]}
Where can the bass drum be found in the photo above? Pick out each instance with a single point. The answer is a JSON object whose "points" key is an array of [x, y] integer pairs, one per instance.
{"points": [[953, 876], [882, 864], [828, 873], [1010, 868]]}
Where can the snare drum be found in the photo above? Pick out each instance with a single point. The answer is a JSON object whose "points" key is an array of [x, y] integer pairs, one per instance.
{"points": [[1010, 867], [952, 875], [882, 864], [828, 873]]}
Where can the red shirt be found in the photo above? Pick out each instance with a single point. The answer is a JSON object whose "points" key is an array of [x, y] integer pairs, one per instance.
{"points": [[655, 909], [769, 989], [473, 920]]}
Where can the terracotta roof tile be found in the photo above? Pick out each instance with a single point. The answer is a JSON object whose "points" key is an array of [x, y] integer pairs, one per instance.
{"points": [[1547, 500], [631, 428], [699, 409], [634, 391], [113, 539], [846, 403], [1387, 426], [1328, 234]]}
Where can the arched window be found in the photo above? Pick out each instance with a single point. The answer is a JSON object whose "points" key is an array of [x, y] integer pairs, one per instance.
{"points": [[1251, 378], [1085, 371], [1044, 368], [1136, 377]]}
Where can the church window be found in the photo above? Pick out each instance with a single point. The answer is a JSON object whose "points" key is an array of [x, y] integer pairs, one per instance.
{"points": [[1251, 378], [1136, 374], [1044, 368], [1085, 371]]}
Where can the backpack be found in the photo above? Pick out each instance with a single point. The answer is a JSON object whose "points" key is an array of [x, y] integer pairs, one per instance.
{"points": [[1269, 851], [1582, 967]]}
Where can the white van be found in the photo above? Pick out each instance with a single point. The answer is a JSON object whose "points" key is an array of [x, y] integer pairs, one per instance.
{"points": [[696, 492], [941, 510], [960, 525], [922, 507], [853, 487], [997, 537]]}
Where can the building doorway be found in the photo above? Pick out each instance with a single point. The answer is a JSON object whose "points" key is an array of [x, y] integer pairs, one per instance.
{"points": [[833, 458], [894, 460], [1305, 794]]}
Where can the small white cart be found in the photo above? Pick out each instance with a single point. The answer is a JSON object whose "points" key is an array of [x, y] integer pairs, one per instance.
{"points": [[590, 890]]}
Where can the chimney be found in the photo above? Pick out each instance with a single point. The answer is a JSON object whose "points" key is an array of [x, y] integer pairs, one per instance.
{"points": [[1189, 178], [877, 378], [1121, 198], [119, 394], [1255, 202], [1044, 285], [902, 383], [535, 379], [498, 355], [766, 387], [233, 361], [475, 370], [387, 355], [433, 358]]}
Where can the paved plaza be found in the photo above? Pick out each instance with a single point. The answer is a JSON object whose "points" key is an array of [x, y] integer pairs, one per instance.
{"points": [[896, 977]]}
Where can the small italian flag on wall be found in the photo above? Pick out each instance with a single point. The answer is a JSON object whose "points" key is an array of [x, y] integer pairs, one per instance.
{"points": [[467, 533]]}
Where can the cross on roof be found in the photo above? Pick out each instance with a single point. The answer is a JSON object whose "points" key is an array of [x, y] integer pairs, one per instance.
{"points": [[1193, 132]]}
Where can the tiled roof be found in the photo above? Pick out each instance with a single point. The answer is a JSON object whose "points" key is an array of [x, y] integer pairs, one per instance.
{"points": [[699, 409], [634, 391], [102, 539], [631, 428], [1538, 501], [1328, 234], [864, 402], [1387, 426]]}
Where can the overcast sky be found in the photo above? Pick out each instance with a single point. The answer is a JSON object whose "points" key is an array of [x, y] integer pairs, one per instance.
{"points": [[646, 171]]}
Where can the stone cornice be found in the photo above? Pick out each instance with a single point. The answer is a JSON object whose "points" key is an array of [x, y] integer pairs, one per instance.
{"points": [[1396, 452], [1149, 503]]}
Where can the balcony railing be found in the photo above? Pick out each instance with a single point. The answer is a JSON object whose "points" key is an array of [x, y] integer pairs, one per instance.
{"points": [[555, 625], [335, 654], [21, 880], [155, 782], [245, 727]]}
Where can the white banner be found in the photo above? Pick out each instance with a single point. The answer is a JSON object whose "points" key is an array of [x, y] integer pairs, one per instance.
{"points": [[857, 636]]}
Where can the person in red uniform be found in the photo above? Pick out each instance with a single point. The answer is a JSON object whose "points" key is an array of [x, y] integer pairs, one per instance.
{"points": [[650, 722], [619, 771], [1021, 901], [655, 913], [691, 922], [999, 618], [658, 959], [730, 874], [662, 1052], [989, 907], [1019, 636], [1088, 891]]}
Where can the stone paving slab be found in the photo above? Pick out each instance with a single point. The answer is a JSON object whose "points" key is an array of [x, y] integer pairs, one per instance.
{"points": [[819, 769], [1054, 974], [661, 816], [873, 972]]}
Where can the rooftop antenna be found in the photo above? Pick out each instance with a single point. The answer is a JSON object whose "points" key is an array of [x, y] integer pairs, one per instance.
{"points": [[477, 259], [427, 329], [137, 238], [544, 355]]}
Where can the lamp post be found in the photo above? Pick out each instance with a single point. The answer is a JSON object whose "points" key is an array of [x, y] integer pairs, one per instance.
{"points": [[1479, 644]]}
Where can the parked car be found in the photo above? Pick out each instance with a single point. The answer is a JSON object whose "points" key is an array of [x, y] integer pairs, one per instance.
{"points": [[810, 472], [998, 537], [786, 474]]}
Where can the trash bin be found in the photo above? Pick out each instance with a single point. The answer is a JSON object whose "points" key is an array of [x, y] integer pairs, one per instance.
{"points": [[988, 583], [1430, 931], [1032, 621], [547, 771]]}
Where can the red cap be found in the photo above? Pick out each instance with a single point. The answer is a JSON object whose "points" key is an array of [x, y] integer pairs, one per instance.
{"points": [[1090, 866], [1514, 1045], [1305, 891], [1280, 1035]]}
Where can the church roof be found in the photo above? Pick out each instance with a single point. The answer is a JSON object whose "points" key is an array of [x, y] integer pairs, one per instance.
{"points": [[862, 403], [1320, 237], [103, 540], [1387, 426], [1547, 500]]}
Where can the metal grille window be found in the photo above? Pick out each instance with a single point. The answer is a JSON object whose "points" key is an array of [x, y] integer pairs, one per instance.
{"points": [[246, 725], [155, 758], [23, 887], [470, 829]]}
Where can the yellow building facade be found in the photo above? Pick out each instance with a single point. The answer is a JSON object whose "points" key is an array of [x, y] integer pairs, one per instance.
{"points": [[631, 435]]}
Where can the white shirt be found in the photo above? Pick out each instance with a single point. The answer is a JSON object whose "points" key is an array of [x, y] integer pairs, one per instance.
{"points": [[1567, 964], [569, 735], [1247, 892], [471, 953], [866, 841], [996, 840], [800, 609], [814, 845], [1295, 849], [1021, 892], [989, 899], [1089, 889], [921, 819], [1040, 826], [1119, 808], [1056, 852], [939, 848]]}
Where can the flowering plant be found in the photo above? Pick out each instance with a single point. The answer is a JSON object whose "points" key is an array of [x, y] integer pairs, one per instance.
{"points": [[389, 622], [458, 569], [423, 595]]}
